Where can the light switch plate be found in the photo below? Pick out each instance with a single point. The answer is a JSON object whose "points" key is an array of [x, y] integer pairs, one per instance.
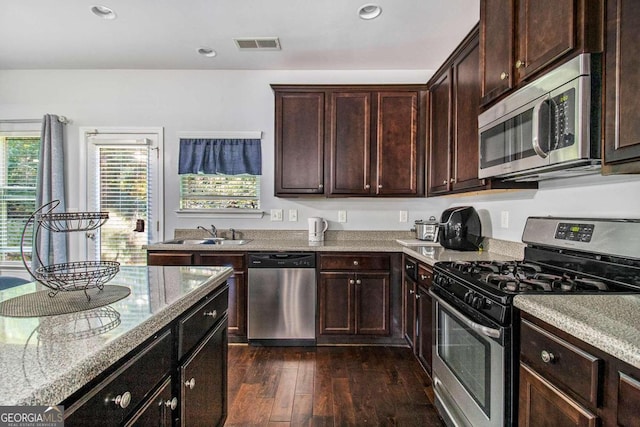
{"points": [[293, 215], [403, 216], [276, 214], [342, 216], [504, 219]]}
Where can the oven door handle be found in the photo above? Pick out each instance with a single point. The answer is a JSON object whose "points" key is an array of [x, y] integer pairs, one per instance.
{"points": [[481, 329]]}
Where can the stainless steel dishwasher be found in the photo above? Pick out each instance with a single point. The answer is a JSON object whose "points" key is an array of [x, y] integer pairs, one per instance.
{"points": [[282, 299]]}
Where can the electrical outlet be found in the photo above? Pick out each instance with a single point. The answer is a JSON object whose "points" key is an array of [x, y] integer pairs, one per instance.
{"points": [[504, 219], [342, 216], [293, 215], [403, 216], [276, 214]]}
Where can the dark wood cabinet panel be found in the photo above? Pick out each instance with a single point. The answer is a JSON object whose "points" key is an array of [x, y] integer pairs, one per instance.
{"points": [[547, 29], [628, 407], [158, 411], [350, 142], [396, 144], [424, 347], [355, 262], [372, 304], [204, 381], [439, 157], [622, 71], [496, 47], [170, 258], [409, 290], [335, 297], [418, 312], [194, 324], [542, 404], [299, 141]]}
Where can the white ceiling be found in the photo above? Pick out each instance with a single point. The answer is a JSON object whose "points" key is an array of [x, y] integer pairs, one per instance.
{"points": [[165, 34]]}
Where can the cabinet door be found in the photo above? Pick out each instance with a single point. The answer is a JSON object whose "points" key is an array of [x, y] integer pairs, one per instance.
{"points": [[336, 302], [204, 381], [622, 127], [350, 143], [409, 303], [542, 404], [439, 134], [170, 258], [466, 103], [547, 30], [496, 47], [237, 310], [158, 411], [299, 142], [425, 328], [627, 411], [397, 148], [372, 303]]}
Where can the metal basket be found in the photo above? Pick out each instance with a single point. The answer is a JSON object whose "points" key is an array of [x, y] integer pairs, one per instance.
{"points": [[75, 276], [72, 221]]}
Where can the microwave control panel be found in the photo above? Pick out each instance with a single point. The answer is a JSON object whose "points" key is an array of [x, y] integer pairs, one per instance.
{"points": [[575, 232], [563, 119]]}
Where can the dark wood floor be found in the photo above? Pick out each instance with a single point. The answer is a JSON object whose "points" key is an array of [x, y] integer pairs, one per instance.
{"points": [[327, 386]]}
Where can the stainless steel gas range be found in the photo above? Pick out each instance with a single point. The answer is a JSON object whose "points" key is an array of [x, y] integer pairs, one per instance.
{"points": [[476, 344]]}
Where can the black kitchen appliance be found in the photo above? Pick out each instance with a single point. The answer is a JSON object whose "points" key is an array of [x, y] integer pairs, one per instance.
{"points": [[476, 342], [460, 229]]}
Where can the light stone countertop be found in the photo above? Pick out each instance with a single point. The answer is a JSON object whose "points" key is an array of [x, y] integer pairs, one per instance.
{"points": [[610, 323], [38, 369]]}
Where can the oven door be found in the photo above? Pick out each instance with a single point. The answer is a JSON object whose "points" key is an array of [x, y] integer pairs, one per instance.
{"points": [[469, 368]]}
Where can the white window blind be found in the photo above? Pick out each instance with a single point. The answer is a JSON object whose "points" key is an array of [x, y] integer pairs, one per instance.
{"points": [[200, 191], [123, 191], [18, 175]]}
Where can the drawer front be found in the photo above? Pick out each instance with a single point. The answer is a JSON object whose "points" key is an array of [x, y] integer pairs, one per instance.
{"points": [[195, 324], [562, 362], [222, 260], [425, 276], [354, 262], [169, 258], [114, 398]]}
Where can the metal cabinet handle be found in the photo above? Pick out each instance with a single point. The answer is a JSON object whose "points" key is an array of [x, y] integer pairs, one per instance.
{"points": [[213, 313], [122, 400], [321, 186], [411, 291], [547, 357], [356, 262], [190, 383], [358, 282], [520, 63], [351, 281], [173, 403], [367, 186], [453, 180], [504, 76], [424, 277], [379, 185], [445, 182], [418, 296]]}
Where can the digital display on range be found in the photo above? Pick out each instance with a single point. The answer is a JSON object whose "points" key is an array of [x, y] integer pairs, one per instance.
{"points": [[575, 232]]}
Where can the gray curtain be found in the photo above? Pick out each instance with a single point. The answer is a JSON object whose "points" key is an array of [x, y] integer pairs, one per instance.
{"points": [[50, 186]]}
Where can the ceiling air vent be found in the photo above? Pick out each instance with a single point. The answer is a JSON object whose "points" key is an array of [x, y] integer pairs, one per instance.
{"points": [[262, 43]]}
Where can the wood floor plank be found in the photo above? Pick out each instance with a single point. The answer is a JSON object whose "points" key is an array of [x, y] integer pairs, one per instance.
{"points": [[328, 386]]}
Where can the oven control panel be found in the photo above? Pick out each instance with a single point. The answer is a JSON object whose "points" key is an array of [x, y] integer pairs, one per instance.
{"points": [[575, 232]]}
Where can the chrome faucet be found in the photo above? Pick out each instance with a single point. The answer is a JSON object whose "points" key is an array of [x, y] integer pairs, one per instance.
{"points": [[213, 232]]}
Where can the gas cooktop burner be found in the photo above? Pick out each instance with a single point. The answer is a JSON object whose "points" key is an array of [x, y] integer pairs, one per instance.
{"points": [[522, 276]]}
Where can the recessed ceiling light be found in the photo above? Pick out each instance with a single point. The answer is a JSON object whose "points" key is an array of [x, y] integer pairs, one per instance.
{"points": [[369, 11], [103, 12], [207, 51]]}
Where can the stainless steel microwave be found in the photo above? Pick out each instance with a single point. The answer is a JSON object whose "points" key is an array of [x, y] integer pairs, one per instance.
{"points": [[547, 129]]}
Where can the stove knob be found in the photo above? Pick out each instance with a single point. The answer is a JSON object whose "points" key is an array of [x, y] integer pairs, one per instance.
{"points": [[468, 297], [478, 303]]}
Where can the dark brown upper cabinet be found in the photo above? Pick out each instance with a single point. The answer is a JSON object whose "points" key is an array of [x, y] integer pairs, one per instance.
{"points": [[299, 156], [522, 38], [372, 139], [622, 86]]}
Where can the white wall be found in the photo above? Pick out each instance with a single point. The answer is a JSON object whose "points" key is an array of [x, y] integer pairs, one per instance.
{"points": [[243, 101]]}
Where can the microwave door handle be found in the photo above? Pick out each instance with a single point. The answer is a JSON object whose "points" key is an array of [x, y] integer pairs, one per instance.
{"points": [[535, 129]]}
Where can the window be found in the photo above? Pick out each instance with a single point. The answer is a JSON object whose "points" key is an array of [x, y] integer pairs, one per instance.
{"points": [[200, 191], [18, 174], [220, 172]]}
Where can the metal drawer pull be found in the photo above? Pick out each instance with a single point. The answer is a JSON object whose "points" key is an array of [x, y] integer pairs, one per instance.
{"points": [[547, 357], [173, 403], [411, 291], [356, 262], [351, 281], [418, 296], [191, 383], [424, 277], [504, 76], [123, 400], [213, 313], [358, 282]]}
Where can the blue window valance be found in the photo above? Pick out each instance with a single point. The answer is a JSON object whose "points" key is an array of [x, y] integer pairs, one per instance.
{"points": [[220, 156]]}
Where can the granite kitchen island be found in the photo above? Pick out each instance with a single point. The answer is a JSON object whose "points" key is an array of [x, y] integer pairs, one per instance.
{"points": [[57, 359]]}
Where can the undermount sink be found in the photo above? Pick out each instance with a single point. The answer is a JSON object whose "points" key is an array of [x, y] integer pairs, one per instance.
{"points": [[211, 241]]}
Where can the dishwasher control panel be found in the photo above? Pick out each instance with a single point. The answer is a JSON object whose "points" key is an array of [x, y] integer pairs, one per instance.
{"points": [[282, 260]]}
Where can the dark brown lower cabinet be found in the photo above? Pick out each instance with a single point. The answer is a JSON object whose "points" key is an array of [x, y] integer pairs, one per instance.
{"points": [[423, 348], [543, 404], [177, 377]]}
